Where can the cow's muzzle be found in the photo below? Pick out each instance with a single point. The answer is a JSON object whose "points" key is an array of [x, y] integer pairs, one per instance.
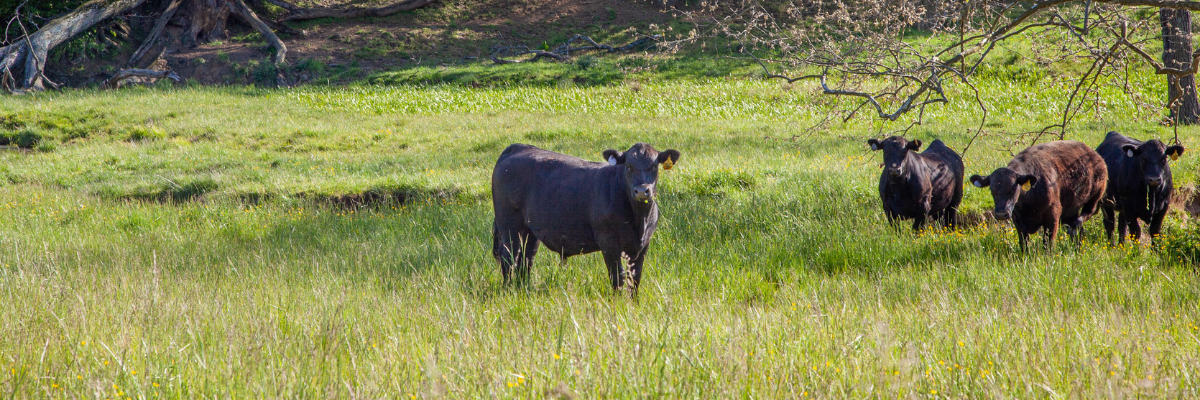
{"points": [[1153, 182], [643, 193], [1002, 215], [893, 171]]}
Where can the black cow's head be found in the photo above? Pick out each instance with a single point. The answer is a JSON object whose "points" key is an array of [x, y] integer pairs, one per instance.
{"points": [[895, 151], [1151, 158], [1007, 186], [640, 164]]}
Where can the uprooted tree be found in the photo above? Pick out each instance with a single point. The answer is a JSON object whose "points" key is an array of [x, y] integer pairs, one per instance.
{"points": [[24, 55], [861, 49]]}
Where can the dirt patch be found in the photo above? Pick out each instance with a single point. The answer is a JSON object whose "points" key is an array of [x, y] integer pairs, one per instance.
{"points": [[167, 192], [448, 32], [971, 219], [1186, 199], [385, 197]]}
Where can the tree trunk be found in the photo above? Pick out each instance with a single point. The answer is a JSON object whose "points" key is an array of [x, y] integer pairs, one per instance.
{"points": [[154, 33], [206, 19], [64, 28], [1177, 53]]}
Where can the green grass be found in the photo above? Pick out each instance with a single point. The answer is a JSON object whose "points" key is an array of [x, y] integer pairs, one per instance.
{"points": [[596, 69], [196, 242]]}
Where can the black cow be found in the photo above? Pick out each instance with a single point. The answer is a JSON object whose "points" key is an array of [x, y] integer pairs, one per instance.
{"points": [[919, 185], [1048, 184], [576, 207], [1139, 183]]}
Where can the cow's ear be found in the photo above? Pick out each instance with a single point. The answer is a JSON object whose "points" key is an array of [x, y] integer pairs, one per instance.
{"points": [[1174, 152], [1130, 150], [614, 157], [914, 145], [874, 143], [1026, 181], [981, 181], [668, 158]]}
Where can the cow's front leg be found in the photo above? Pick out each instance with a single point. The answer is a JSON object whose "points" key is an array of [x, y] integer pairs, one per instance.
{"points": [[893, 219], [1135, 228], [919, 223], [1156, 221], [635, 269]]}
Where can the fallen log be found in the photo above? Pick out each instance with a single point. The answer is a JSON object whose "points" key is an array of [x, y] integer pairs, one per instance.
{"points": [[563, 52], [146, 75], [300, 14]]}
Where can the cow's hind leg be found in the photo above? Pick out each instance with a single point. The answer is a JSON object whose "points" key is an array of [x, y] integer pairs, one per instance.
{"points": [[514, 247], [950, 217], [1075, 230], [1049, 231], [1122, 227], [528, 250], [1109, 219]]}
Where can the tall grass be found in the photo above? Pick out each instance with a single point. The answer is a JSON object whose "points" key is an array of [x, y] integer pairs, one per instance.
{"points": [[215, 260]]}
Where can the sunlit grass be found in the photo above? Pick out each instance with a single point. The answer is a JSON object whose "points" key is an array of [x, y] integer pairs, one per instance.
{"points": [[211, 263]]}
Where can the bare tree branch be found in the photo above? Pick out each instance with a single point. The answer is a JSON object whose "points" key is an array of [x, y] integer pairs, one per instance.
{"points": [[246, 14]]}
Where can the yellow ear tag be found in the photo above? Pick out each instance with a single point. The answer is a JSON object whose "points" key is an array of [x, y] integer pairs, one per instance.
{"points": [[1026, 186], [1175, 156], [668, 164]]}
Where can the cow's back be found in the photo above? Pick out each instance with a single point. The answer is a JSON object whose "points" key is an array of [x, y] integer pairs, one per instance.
{"points": [[946, 174], [525, 175], [945, 154], [1110, 148], [1071, 174], [1115, 159], [555, 196]]}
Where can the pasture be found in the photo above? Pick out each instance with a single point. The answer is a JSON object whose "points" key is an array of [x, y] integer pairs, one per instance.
{"points": [[335, 242]]}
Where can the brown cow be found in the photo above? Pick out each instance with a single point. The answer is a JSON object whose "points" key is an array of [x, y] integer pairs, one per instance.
{"points": [[1048, 184]]}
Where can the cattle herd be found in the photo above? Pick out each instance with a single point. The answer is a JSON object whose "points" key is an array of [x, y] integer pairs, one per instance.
{"points": [[575, 206]]}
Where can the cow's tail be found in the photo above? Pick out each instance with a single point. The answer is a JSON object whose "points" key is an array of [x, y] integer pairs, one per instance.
{"points": [[495, 240]]}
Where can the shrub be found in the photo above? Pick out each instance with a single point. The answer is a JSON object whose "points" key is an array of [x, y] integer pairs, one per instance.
{"points": [[1181, 244], [140, 133], [585, 62], [25, 138]]}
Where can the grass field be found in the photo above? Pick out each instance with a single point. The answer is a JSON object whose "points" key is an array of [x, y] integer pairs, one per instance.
{"points": [[206, 243]]}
